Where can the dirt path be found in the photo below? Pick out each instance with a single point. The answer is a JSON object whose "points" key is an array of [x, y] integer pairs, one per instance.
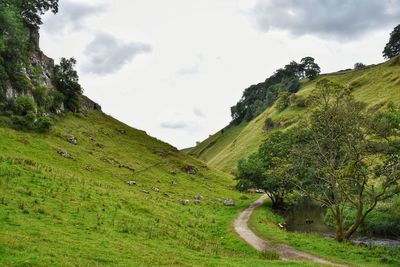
{"points": [[286, 252]]}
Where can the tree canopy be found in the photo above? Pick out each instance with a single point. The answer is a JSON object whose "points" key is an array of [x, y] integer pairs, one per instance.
{"points": [[258, 97], [342, 156], [392, 48]]}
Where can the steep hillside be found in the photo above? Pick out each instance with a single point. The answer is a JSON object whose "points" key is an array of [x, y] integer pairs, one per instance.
{"points": [[67, 204], [375, 85]]}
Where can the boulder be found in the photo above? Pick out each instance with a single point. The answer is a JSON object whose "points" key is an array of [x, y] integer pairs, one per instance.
{"points": [[173, 182], [155, 189], [131, 182], [72, 140], [185, 202], [190, 170], [145, 191], [198, 197], [229, 202], [65, 154]]}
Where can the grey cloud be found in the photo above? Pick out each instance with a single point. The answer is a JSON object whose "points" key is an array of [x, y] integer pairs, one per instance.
{"points": [[107, 55], [174, 125], [326, 18], [198, 113], [71, 16]]}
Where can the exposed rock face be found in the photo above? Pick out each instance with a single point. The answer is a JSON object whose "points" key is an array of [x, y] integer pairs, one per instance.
{"points": [[87, 104], [41, 71]]}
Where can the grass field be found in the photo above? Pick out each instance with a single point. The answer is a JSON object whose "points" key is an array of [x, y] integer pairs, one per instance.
{"points": [[375, 85], [79, 211], [265, 223]]}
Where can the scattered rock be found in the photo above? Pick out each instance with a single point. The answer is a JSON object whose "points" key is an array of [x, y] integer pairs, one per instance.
{"points": [[260, 191], [282, 225], [198, 197], [65, 154], [145, 191], [72, 140], [197, 201], [173, 183], [92, 139], [155, 189], [185, 202], [189, 170], [100, 145], [229, 202], [131, 182], [121, 131], [89, 168], [166, 194]]}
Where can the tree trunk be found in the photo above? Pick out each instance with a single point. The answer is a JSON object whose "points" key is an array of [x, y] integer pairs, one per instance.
{"points": [[339, 224], [357, 222]]}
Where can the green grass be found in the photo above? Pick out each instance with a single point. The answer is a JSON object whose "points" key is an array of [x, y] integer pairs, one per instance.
{"points": [[375, 85], [265, 223], [56, 211]]}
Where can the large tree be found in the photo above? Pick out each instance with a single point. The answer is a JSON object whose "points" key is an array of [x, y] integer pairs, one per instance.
{"points": [[269, 168], [66, 80], [346, 162], [309, 68], [392, 48]]}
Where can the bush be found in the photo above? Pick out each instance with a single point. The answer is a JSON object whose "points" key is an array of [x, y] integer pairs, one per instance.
{"points": [[25, 105], [283, 101], [5, 122], [269, 124], [39, 94], [44, 124], [359, 66], [22, 84]]}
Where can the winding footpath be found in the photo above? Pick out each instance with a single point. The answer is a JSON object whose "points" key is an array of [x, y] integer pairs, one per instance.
{"points": [[286, 252]]}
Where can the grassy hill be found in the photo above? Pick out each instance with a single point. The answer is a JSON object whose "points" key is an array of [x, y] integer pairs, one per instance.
{"points": [[79, 210], [375, 85]]}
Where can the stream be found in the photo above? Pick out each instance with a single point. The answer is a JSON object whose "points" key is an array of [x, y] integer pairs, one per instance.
{"points": [[308, 217]]}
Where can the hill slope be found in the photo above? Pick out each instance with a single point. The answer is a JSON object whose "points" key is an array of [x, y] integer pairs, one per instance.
{"points": [[57, 211], [375, 85]]}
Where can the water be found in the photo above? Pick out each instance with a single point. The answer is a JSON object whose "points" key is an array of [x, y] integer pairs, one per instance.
{"points": [[308, 217]]}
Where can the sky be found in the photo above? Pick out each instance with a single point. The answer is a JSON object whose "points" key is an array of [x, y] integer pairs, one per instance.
{"points": [[174, 68]]}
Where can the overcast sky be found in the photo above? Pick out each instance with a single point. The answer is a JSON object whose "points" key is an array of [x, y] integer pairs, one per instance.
{"points": [[174, 68]]}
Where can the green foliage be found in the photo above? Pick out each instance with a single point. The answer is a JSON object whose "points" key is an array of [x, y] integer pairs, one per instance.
{"points": [[31, 10], [268, 168], [392, 48], [359, 66], [66, 81], [25, 105], [44, 124], [265, 223], [22, 83], [258, 97], [310, 68], [283, 101]]}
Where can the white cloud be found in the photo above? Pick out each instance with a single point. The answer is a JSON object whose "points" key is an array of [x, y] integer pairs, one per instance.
{"points": [[107, 55]]}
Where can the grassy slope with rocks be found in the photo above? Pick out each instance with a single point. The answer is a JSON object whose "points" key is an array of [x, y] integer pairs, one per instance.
{"points": [[79, 211], [375, 85]]}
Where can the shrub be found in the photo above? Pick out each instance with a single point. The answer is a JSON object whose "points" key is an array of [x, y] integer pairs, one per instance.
{"points": [[39, 94], [25, 105], [44, 124], [269, 124], [22, 84], [359, 66]]}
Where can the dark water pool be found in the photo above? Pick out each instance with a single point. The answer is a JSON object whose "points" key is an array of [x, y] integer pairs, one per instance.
{"points": [[306, 216]]}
